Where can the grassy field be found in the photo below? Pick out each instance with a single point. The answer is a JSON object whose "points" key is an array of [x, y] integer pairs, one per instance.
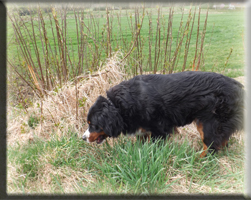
{"points": [[123, 166], [45, 152], [225, 30]]}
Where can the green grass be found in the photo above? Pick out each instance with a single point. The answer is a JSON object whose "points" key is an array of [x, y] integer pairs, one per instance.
{"points": [[125, 167], [227, 27]]}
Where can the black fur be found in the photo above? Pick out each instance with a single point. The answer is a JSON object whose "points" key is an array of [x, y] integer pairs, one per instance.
{"points": [[158, 103]]}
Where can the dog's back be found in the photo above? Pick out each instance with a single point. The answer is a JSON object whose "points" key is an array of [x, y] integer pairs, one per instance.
{"points": [[181, 95]]}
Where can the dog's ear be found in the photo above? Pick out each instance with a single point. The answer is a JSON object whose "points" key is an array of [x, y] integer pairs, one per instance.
{"points": [[110, 119], [104, 114], [101, 102]]}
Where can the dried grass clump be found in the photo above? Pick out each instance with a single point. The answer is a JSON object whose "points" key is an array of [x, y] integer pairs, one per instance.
{"points": [[69, 177], [47, 176], [67, 108]]}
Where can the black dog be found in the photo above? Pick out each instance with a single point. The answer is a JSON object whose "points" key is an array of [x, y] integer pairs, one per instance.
{"points": [[160, 103]]}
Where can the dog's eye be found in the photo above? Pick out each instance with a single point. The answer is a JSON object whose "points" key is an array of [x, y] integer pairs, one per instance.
{"points": [[92, 126], [97, 128]]}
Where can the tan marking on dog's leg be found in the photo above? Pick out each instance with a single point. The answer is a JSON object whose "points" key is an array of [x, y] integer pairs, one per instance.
{"points": [[146, 135], [204, 153], [175, 130], [224, 143], [200, 130], [145, 138]]}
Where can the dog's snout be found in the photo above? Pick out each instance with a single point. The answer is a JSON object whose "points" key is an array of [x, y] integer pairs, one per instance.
{"points": [[84, 137]]}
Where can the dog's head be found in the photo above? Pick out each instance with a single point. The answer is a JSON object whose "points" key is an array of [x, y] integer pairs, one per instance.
{"points": [[104, 121]]}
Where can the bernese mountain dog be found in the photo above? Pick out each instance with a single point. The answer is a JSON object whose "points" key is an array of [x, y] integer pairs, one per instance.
{"points": [[157, 104]]}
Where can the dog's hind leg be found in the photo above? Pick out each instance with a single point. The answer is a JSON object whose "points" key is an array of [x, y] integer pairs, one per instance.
{"points": [[211, 136], [200, 130], [224, 143], [143, 135], [175, 130]]}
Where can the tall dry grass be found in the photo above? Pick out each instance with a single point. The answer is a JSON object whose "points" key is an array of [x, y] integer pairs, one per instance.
{"points": [[60, 110]]}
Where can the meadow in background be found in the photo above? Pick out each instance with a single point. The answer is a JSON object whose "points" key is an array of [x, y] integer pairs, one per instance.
{"points": [[60, 58]]}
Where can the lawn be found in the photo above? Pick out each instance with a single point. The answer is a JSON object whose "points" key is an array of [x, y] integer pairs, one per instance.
{"points": [[122, 166], [225, 30]]}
